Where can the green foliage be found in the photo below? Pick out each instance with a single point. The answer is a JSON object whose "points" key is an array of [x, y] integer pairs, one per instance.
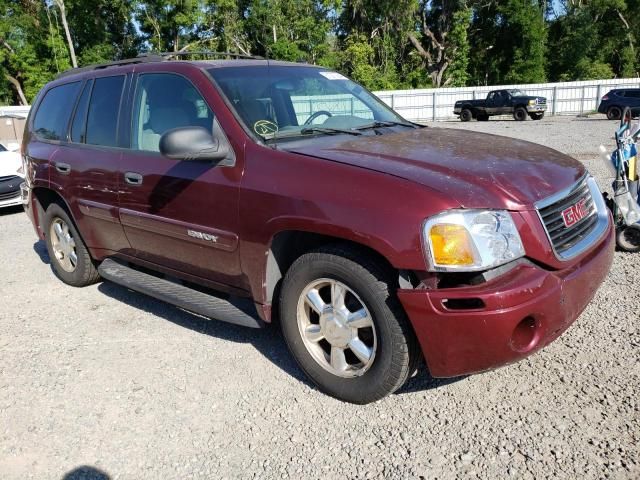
{"points": [[383, 44], [457, 74]]}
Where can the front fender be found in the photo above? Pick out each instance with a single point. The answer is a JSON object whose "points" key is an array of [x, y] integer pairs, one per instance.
{"points": [[291, 192]]}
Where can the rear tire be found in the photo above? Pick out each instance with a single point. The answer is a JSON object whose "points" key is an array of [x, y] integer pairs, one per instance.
{"points": [[482, 118], [385, 350], [69, 256], [628, 238], [520, 114], [466, 115], [614, 113]]}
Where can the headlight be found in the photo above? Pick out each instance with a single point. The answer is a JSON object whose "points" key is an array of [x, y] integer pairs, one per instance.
{"points": [[532, 102], [471, 240]]}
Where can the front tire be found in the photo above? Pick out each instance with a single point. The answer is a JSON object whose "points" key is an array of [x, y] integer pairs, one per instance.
{"points": [[69, 256], [520, 114], [344, 325], [537, 116]]}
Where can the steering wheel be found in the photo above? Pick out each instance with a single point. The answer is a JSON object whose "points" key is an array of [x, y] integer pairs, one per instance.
{"points": [[316, 115]]}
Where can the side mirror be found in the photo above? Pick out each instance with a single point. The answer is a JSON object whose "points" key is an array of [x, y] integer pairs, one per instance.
{"points": [[192, 144]]}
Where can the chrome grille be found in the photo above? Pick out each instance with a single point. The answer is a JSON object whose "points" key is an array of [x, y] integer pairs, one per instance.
{"points": [[563, 238], [10, 195]]}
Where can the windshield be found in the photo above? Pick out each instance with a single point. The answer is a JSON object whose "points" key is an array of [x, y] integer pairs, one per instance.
{"points": [[289, 101], [517, 93]]}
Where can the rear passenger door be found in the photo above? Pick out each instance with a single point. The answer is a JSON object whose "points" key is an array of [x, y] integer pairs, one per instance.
{"points": [[182, 215], [85, 167]]}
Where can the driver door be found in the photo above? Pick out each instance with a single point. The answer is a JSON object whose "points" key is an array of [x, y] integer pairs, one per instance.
{"points": [[181, 215], [505, 103]]}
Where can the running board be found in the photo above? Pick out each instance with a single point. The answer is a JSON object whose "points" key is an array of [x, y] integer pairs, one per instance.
{"points": [[239, 311]]}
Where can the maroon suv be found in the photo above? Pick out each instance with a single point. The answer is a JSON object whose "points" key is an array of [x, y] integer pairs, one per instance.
{"points": [[246, 190]]}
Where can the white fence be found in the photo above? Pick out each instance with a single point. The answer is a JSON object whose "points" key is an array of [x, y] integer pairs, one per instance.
{"points": [[568, 98], [14, 111]]}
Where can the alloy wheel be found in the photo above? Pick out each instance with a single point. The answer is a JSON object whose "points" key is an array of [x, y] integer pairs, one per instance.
{"points": [[336, 328], [63, 245]]}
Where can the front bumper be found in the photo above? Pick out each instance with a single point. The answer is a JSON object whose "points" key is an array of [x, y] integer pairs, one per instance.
{"points": [[524, 310], [537, 108]]}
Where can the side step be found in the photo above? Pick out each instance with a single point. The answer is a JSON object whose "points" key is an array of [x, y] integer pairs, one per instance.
{"points": [[239, 311]]}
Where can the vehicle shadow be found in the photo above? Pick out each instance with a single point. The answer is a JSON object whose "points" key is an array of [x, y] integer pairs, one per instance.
{"points": [[11, 210], [268, 341], [86, 473], [41, 249], [423, 381]]}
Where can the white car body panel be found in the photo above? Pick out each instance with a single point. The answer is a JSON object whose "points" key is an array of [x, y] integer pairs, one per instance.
{"points": [[10, 162]]}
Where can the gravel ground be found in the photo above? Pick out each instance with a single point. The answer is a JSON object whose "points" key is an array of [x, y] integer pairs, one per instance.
{"points": [[126, 385]]}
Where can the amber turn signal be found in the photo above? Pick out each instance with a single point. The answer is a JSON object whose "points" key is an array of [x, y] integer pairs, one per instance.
{"points": [[451, 245]]}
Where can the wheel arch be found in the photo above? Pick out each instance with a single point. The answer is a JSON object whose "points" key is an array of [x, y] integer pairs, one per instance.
{"points": [[43, 198], [288, 245]]}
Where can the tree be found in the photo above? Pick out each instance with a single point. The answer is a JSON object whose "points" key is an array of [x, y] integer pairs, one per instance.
{"points": [[63, 16], [31, 49], [169, 25]]}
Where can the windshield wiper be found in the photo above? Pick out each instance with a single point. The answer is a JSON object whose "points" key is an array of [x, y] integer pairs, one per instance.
{"points": [[386, 123], [328, 130]]}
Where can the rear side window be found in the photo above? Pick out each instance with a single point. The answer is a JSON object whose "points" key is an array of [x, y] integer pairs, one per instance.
{"points": [[102, 118], [80, 117], [632, 93], [52, 117]]}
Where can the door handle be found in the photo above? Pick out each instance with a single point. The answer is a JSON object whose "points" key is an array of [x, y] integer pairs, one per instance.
{"points": [[133, 178], [63, 168]]}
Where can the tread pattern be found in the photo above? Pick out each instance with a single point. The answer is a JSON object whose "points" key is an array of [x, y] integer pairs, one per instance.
{"points": [[406, 353]]}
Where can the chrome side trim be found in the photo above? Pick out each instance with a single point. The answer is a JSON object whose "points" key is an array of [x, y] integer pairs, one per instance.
{"points": [[596, 234]]}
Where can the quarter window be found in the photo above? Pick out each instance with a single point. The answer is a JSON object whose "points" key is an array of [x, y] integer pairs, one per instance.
{"points": [[165, 101], [52, 117], [102, 118]]}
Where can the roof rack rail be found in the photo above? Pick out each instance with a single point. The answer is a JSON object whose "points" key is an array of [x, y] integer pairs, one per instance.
{"points": [[209, 53], [154, 57]]}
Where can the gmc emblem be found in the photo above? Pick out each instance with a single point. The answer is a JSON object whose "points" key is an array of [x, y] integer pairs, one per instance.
{"points": [[575, 213]]}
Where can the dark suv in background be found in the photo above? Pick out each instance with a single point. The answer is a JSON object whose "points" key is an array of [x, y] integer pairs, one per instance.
{"points": [[246, 190], [615, 101]]}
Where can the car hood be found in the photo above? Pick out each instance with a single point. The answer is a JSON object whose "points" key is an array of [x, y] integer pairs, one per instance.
{"points": [[476, 169], [9, 163]]}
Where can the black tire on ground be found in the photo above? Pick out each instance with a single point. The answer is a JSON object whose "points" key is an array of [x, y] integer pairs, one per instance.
{"points": [[84, 271], [520, 114], [536, 116], [466, 115], [628, 238], [482, 118], [614, 113], [397, 354]]}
